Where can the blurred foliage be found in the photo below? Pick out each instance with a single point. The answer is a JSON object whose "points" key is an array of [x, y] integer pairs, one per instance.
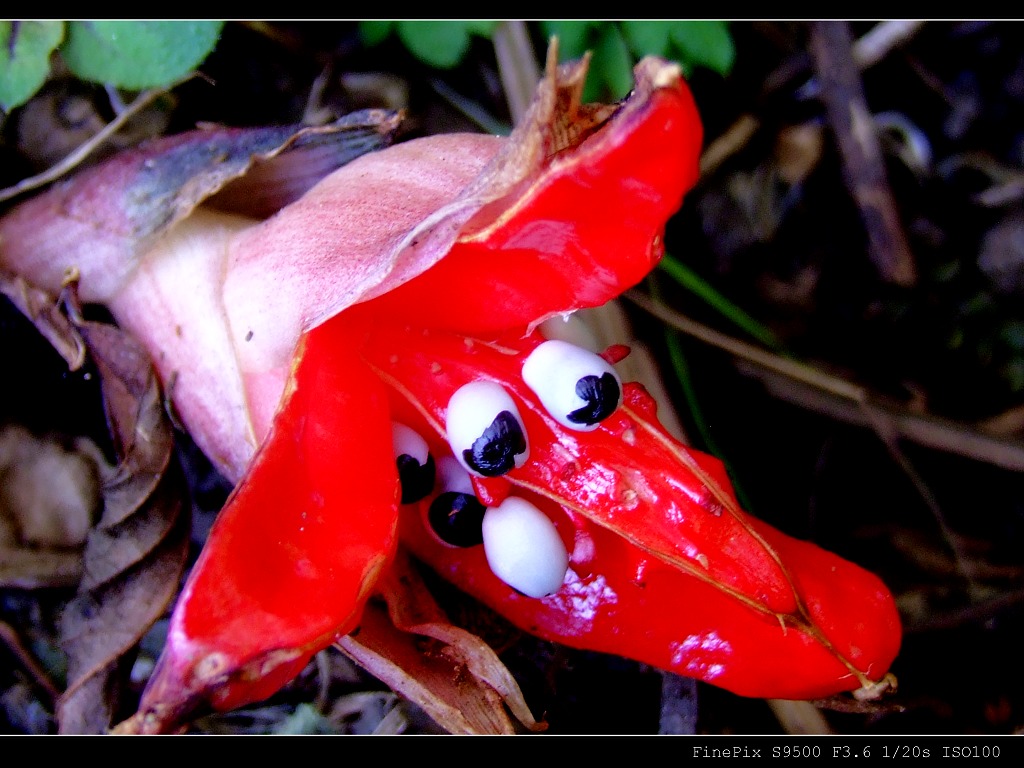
{"points": [[616, 45], [124, 54], [441, 44]]}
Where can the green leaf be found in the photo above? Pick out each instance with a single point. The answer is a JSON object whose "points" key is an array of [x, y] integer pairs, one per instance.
{"points": [[697, 285], [613, 62], [704, 44], [574, 37], [647, 37], [441, 44], [138, 54], [481, 27], [375, 32], [25, 48]]}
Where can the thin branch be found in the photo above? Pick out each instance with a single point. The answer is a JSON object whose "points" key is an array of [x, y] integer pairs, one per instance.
{"points": [[13, 642], [860, 150], [852, 403], [868, 50], [973, 614], [517, 65], [469, 108], [54, 172], [876, 44], [883, 427], [728, 144]]}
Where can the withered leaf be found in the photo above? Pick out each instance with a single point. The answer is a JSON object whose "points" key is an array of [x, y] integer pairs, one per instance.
{"points": [[49, 496], [452, 674], [25, 568], [111, 550], [135, 556], [99, 627], [140, 429], [419, 669], [39, 307]]}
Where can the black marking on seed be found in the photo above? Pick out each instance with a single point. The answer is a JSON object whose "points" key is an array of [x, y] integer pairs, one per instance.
{"points": [[602, 398], [494, 452], [417, 480], [457, 519]]}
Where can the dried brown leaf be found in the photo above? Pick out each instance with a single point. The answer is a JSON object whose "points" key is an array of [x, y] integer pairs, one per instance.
{"points": [[141, 431], [40, 307], [452, 674], [49, 496], [419, 669], [31, 568], [135, 556], [99, 627], [110, 551]]}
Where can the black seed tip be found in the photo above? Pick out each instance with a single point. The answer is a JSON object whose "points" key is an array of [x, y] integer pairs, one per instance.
{"points": [[494, 453], [602, 398], [457, 519], [417, 480]]}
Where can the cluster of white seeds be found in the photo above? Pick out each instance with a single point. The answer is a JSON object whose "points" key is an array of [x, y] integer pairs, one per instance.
{"points": [[487, 436]]}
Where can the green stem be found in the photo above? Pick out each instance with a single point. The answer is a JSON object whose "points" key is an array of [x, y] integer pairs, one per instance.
{"points": [[697, 285], [681, 369]]}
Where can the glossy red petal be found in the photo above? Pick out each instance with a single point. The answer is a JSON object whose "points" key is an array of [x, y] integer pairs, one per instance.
{"points": [[577, 233], [299, 546]]}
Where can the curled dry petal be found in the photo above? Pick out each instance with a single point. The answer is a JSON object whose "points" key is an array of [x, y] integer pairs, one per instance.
{"points": [[462, 684], [147, 233]]}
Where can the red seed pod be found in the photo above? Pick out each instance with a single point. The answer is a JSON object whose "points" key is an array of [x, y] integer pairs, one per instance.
{"points": [[658, 542]]}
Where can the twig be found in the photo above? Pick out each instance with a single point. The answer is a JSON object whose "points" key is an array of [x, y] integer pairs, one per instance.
{"points": [[469, 108], [323, 676], [678, 705], [517, 66], [860, 150], [314, 113], [867, 51], [116, 102], [56, 171], [970, 614], [875, 45], [13, 642], [799, 718], [852, 403], [884, 429], [728, 144]]}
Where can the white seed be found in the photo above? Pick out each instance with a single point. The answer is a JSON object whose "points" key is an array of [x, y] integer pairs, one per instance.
{"points": [[523, 547], [415, 466], [408, 442], [570, 327], [577, 387], [485, 431]]}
